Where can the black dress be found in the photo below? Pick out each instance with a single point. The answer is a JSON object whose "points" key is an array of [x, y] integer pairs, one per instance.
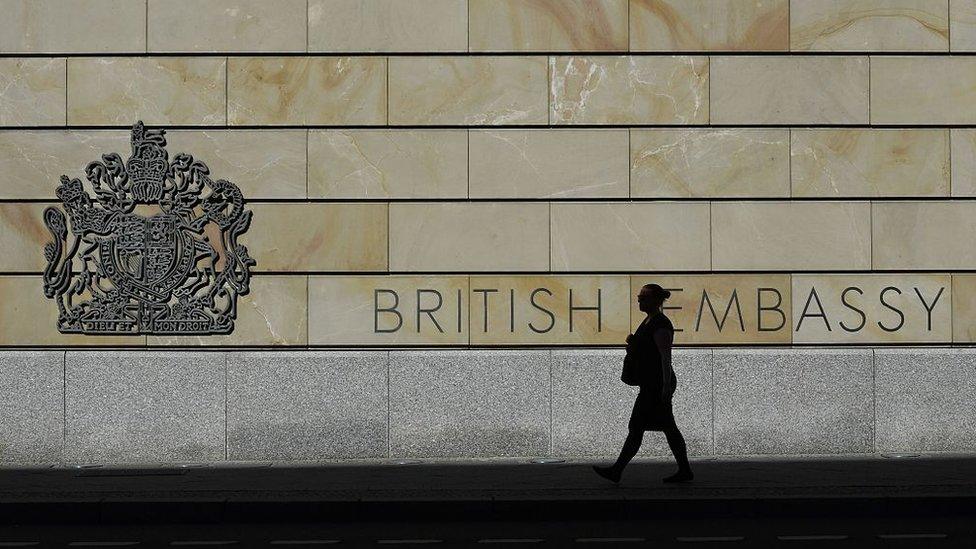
{"points": [[651, 412]]}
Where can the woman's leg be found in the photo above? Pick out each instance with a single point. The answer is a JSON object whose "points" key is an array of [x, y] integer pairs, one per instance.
{"points": [[677, 444], [627, 453]]}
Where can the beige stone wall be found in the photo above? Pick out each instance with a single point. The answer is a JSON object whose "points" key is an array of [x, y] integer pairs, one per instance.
{"points": [[484, 172]]}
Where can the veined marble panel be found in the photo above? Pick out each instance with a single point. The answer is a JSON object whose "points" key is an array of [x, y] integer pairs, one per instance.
{"points": [[273, 313], [156, 90], [306, 90], [318, 236], [855, 162], [548, 163], [226, 25], [704, 163], [767, 235], [28, 318], [610, 236], [923, 90], [795, 89], [79, 26], [33, 91], [868, 25], [387, 25], [962, 22], [548, 25], [707, 25], [479, 91], [923, 234], [629, 90], [379, 164], [469, 236]]}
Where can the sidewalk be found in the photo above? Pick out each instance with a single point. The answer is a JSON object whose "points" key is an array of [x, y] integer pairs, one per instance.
{"points": [[927, 476]]}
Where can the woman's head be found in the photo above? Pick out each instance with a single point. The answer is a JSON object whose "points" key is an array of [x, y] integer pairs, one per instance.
{"points": [[651, 297]]}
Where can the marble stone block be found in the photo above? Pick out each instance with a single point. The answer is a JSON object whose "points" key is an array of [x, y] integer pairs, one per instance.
{"points": [[872, 308], [963, 162], [548, 25], [79, 26], [707, 25], [963, 308], [549, 310], [469, 236], [855, 162], [925, 399], [307, 405], [923, 234], [318, 236], [791, 235], [869, 25], [273, 313], [629, 90], [33, 91], [22, 237], [934, 90], [469, 403], [962, 21], [380, 164], [226, 26], [306, 90], [263, 163], [705, 163], [793, 401], [387, 25], [794, 89], [388, 310], [591, 406], [126, 407], [156, 90], [606, 236], [548, 164], [32, 407], [28, 318], [477, 91]]}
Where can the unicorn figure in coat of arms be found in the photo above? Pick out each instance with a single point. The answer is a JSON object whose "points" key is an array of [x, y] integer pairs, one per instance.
{"points": [[154, 252]]}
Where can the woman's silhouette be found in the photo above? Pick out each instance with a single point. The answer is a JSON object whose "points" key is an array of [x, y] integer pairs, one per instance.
{"points": [[651, 341]]}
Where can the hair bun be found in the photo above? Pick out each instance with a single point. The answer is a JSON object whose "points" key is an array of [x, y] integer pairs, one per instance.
{"points": [[667, 294]]}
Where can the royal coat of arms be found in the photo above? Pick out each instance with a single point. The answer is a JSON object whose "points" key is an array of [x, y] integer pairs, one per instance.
{"points": [[154, 252]]}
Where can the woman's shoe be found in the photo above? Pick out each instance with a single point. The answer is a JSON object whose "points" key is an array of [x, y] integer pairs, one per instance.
{"points": [[608, 473], [680, 476]]}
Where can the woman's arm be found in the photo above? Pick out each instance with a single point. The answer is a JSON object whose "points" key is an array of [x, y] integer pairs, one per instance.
{"points": [[663, 337]]}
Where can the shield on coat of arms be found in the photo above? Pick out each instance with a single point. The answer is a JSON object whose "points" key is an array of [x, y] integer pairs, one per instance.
{"points": [[154, 252]]}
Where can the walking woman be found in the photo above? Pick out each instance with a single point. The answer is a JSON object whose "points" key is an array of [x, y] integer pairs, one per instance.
{"points": [[651, 341]]}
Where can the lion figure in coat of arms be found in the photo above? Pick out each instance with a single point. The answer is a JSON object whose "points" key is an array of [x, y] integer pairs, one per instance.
{"points": [[155, 251]]}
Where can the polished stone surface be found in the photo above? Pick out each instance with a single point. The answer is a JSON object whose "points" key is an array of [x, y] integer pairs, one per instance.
{"points": [[469, 404], [793, 89], [32, 407], [144, 407], [794, 401], [591, 406], [707, 25], [629, 89], [868, 25], [914, 235], [387, 25], [704, 163], [925, 399], [548, 25], [289, 406]]}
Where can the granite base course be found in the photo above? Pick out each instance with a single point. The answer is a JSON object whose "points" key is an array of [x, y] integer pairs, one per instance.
{"points": [[115, 406]]}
